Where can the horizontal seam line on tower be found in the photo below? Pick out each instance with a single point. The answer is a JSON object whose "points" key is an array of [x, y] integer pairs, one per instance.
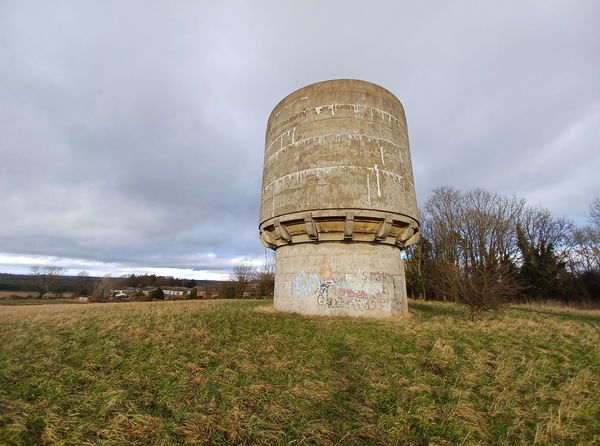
{"points": [[362, 135], [378, 110], [384, 171]]}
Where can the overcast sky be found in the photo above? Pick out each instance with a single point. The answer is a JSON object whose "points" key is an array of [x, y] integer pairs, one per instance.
{"points": [[132, 132]]}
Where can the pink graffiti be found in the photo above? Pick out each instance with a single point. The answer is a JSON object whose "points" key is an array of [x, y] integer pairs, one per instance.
{"points": [[354, 294]]}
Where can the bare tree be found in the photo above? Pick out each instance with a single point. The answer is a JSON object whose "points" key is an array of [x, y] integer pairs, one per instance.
{"points": [[488, 228], [266, 277], [586, 243], [82, 284], [480, 288], [43, 279], [481, 240], [418, 257], [586, 250], [102, 288], [471, 227], [541, 229], [443, 213], [595, 214], [243, 272], [472, 247]]}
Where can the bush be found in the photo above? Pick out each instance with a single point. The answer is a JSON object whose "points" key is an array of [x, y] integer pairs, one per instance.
{"points": [[157, 294], [481, 288], [193, 294], [140, 296], [227, 291]]}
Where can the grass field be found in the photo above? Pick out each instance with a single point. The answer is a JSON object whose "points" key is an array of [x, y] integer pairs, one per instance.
{"points": [[235, 372]]}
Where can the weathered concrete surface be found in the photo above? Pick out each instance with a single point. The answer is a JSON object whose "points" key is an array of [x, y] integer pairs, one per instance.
{"points": [[337, 172], [340, 279]]}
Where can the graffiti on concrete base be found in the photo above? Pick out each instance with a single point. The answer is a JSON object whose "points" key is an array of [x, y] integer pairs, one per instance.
{"points": [[361, 291], [305, 283]]}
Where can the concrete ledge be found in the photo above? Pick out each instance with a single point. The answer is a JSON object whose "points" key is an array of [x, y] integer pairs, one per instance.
{"points": [[358, 225]]}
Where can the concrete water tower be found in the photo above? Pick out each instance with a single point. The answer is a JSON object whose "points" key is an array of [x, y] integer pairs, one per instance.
{"points": [[338, 200]]}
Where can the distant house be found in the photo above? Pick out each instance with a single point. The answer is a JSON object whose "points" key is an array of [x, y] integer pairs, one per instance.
{"points": [[174, 292], [201, 293], [147, 290], [123, 292], [207, 292]]}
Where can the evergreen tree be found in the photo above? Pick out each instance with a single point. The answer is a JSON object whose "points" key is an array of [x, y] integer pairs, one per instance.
{"points": [[157, 294], [541, 272]]}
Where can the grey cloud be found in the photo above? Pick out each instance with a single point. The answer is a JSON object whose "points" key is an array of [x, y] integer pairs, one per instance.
{"points": [[133, 131]]}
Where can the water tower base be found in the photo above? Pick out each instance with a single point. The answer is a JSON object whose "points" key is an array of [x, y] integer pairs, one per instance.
{"points": [[340, 279]]}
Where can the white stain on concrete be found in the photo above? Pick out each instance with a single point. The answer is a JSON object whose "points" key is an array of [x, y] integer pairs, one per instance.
{"points": [[290, 133], [273, 204], [358, 108], [320, 139], [377, 176], [368, 110], [319, 172], [289, 105]]}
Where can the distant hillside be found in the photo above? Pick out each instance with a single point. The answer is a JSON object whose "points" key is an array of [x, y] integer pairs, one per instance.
{"points": [[22, 282]]}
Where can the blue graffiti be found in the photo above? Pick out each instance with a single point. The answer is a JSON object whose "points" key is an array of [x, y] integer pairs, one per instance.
{"points": [[305, 284]]}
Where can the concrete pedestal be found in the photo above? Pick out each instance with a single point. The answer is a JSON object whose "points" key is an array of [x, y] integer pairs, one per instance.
{"points": [[340, 279]]}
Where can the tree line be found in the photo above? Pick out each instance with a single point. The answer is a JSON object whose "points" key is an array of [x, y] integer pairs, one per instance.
{"points": [[485, 249], [247, 280], [140, 281], [46, 280]]}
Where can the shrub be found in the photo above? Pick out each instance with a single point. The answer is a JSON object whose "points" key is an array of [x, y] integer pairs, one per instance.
{"points": [[157, 294], [193, 294]]}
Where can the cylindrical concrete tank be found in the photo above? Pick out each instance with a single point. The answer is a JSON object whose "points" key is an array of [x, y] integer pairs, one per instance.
{"points": [[338, 200]]}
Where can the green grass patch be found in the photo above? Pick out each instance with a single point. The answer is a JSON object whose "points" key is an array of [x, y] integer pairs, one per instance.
{"points": [[233, 372]]}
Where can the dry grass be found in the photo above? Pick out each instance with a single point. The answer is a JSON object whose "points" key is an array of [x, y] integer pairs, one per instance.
{"points": [[558, 305], [236, 372]]}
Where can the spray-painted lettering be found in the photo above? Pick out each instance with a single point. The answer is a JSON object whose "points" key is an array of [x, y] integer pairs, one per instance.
{"points": [[305, 284]]}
